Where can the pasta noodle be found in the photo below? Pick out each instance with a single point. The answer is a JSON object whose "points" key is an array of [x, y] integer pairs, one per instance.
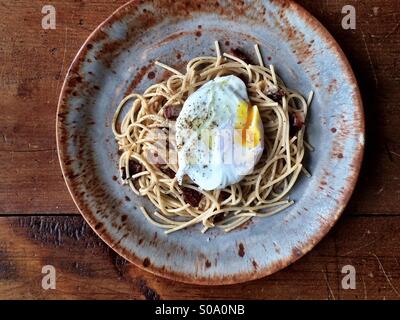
{"points": [[144, 130]]}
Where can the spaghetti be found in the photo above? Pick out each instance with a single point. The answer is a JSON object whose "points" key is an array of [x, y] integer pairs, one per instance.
{"points": [[259, 194]]}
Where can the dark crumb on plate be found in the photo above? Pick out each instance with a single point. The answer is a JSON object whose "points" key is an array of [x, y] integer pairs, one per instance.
{"points": [[241, 250], [146, 262]]}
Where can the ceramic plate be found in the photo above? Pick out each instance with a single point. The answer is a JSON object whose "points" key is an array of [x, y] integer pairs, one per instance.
{"points": [[118, 58]]}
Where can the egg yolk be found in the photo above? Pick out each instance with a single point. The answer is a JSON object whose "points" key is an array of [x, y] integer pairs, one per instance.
{"points": [[248, 125]]}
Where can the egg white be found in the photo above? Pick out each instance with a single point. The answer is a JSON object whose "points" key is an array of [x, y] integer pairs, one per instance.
{"points": [[219, 135]]}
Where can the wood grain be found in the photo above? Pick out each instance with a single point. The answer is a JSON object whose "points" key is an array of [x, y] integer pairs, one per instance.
{"points": [[39, 224], [35, 61], [88, 269], [373, 50]]}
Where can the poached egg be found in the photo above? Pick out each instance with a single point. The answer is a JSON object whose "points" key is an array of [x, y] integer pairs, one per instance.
{"points": [[219, 134]]}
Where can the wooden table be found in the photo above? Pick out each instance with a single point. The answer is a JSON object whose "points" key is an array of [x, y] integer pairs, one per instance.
{"points": [[40, 225]]}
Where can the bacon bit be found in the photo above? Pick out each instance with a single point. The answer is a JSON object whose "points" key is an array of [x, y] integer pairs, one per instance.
{"points": [[296, 120], [244, 78], [123, 175], [219, 217], [202, 204], [192, 197], [241, 55], [276, 95], [168, 171], [155, 158], [134, 168], [224, 195], [172, 112]]}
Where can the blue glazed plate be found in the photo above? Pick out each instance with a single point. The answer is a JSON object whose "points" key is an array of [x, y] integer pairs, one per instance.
{"points": [[118, 58]]}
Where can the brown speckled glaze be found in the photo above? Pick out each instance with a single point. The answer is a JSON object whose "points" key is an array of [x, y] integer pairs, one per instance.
{"points": [[118, 58]]}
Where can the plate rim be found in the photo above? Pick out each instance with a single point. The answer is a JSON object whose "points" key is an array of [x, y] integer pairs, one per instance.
{"points": [[357, 159]]}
